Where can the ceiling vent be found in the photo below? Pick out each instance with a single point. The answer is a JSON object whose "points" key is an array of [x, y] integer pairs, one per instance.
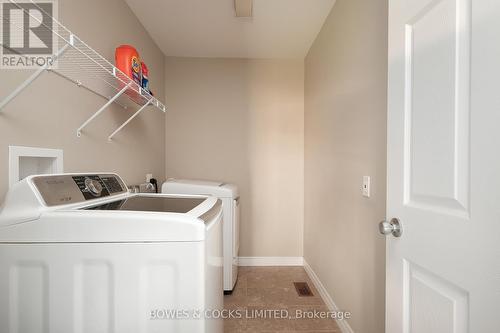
{"points": [[243, 8]]}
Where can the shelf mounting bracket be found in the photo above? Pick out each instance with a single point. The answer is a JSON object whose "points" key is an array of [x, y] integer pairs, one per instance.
{"points": [[130, 119], [32, 78], [79, 130]]}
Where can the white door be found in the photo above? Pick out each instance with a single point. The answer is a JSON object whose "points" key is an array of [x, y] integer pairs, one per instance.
{"points": [[443, 273]]}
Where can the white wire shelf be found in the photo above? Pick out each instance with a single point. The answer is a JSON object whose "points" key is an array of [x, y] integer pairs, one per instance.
{"points": [[79, 63]]}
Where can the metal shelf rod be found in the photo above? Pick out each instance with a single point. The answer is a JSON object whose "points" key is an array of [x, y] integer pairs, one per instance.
{"points": [[71, 41], [79, 130], [129, 119]]}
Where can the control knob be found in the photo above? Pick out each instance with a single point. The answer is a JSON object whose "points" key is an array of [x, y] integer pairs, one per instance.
{"points": [[93, 187]]}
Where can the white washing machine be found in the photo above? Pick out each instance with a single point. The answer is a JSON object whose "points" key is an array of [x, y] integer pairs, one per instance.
{"points": [[229, 195], [78, 253]]}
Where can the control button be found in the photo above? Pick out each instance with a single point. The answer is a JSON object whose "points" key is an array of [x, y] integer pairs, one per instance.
{"points": [[93, 186]]}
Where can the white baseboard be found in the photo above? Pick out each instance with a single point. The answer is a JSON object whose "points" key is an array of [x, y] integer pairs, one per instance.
{"points": [[271, 261], [343, 324]]}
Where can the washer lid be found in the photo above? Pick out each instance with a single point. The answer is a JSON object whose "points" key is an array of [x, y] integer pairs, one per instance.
{"points": [[54, 208], [189, 186], [151, 203], [119, 222]]}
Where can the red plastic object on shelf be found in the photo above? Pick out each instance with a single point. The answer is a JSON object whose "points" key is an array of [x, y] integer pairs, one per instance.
{"points": [[128, 61]]}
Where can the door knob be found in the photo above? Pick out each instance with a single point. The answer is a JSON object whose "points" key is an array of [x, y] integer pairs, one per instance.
{"points": [[393, 227]]}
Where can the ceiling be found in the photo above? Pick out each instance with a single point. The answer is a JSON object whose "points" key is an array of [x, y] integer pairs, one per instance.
{"points": [[209, 28]]}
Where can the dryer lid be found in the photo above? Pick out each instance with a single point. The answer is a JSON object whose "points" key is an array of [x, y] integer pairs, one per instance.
{"points": [[201, 187]]}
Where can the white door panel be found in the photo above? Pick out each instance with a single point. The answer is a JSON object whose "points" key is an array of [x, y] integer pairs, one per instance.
{"points": [[443, 273], [437, 107]]}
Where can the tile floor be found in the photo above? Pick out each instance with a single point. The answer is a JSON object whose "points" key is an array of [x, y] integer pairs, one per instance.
{"points": [[271, 288]]}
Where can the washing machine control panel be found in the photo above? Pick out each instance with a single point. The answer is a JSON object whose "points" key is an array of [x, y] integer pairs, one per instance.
{"points": [[69, 189], [91, 186]]}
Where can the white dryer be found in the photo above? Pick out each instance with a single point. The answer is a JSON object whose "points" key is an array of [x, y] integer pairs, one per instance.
{"points": [[78, 253], [229, 195]]}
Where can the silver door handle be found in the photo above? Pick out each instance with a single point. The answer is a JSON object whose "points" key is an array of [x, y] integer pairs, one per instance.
{"points": [[393, 227]]}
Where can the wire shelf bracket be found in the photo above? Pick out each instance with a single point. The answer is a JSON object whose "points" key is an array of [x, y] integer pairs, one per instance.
{"points": [[32, 78], [79, 130], [128, 121], [78, 63]]}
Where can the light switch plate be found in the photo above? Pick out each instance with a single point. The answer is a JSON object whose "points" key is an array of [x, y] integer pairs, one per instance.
{"points": [[366, 186]]}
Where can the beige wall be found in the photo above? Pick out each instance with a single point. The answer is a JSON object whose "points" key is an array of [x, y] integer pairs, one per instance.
{"points": [[345, 139], [50, 110], [241, 121]]}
